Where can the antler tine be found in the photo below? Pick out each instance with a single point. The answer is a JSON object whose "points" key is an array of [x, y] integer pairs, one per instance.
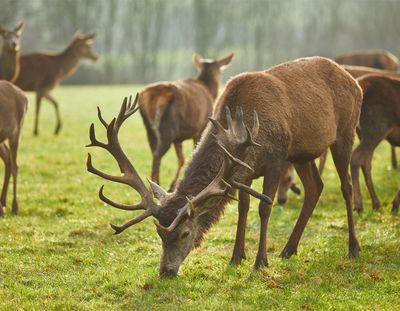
{"points": [[184, 212], [108, 201], [101, 117], [229, 121], [233, 158], [93, 140], [256, 124], [119, 229]]}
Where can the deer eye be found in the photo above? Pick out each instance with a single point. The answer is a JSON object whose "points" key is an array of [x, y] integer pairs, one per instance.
{"points": [[185, 234]]}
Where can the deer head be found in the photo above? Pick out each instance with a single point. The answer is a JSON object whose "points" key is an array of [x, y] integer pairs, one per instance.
{"points": [[178, 217], [210, 67], [83, 45], [12, 37]]}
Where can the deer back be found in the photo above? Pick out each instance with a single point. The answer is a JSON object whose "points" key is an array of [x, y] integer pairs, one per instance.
{"points": [[375, 59]]}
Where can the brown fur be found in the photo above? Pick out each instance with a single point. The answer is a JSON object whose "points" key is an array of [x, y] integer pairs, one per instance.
{"points": [[305, 107], [42, 72], [9, 59], [374, 59], [13, 106], [175, 111], [379, 119]]}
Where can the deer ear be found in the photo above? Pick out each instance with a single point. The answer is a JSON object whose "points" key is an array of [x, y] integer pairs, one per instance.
{"points": [[19, 28], [158, 192], [197, 60], [78, 34], [223, 63], [90, 36]]}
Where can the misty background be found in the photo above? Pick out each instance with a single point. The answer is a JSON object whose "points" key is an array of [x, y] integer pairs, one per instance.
{"points": [[141, 41]]}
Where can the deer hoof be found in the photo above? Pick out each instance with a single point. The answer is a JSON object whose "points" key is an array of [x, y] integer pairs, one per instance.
{"points": [[237, 259], [395, 209], [358, 207], [376, 205], [288, 252], [354, 250], [14, 209], [260, 263], [57, 130]]}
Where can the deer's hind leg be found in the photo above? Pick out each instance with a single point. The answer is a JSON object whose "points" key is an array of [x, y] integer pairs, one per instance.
{"points": [[313, 186], [39, 96], [394, 157], [341, 154], [57, 110], [14, 143], [181, 162], [5, 156]]}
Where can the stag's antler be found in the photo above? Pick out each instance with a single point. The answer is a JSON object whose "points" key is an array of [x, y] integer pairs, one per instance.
{"points": [[129, 175], [234, 142]]}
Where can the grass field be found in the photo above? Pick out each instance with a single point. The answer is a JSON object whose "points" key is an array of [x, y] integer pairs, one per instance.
{"points": [[60, 254]]}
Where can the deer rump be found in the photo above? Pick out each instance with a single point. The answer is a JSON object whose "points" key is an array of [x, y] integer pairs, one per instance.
{"points": [[170, 114]]}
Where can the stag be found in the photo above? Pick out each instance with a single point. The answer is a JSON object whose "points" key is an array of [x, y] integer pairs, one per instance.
{"points": [[176, 111], [42, 72], [13, 106], [9, 59], [370, 58], [379, 119], [230, 155]]}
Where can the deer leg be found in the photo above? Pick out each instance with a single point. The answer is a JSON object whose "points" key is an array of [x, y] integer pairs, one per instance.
{"points": [[366, 169], [394, 157], [313, 186], [238, 250], [396, 203], [39, 96], [181, 162], [58, 117], [160, 151], [270, 186], [322, 162], [5, 156], [14, 142], [341, 154]]}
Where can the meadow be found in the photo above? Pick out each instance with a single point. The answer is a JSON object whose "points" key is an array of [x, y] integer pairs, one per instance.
{"points": [[60, 253]]}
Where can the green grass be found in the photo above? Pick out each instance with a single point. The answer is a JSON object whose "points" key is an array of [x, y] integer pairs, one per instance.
{"points": [[60, 254]]}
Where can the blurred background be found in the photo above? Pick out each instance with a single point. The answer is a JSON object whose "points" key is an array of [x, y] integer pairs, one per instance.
{"points": [[141, 41]]}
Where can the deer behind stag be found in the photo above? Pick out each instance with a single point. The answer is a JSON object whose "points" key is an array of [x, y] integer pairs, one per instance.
{"points": [[9, 59], [294, 120], [176, 111], [370, 58], [379, 119], [13, 106], [42, 72]]}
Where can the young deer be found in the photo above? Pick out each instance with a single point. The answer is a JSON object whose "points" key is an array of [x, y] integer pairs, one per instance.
{"points": [[13, 106], [370, 58], [379, 119], [9, 59], [175, 111], [42, 72], [294, 120]]}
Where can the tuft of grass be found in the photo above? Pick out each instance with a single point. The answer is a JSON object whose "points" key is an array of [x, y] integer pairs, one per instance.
{"points": [[60, 254]]}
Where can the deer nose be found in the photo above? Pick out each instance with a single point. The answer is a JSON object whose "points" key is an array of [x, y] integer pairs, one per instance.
{"points": [[282, 200]]}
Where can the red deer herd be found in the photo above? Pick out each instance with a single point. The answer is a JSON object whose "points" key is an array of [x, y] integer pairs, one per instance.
{"points": [[267, 124]]}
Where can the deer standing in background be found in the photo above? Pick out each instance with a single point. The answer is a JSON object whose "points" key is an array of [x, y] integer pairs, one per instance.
{"points": [[379, 119], [13, 106], [370, 58], [42, 72], [175, 111], [9, 59], [381, 60], [230, 155]]}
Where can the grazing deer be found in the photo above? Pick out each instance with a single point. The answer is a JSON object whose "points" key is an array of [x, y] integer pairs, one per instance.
{"points": [[13, 106], [396, 203], [379, 119], [175, 111], [9, 59], [294, 120], [42, 72], [370, 58]]}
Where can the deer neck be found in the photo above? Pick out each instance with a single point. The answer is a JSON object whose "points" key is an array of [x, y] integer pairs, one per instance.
{"points": [[69, 61], [202, 169], [9, 65], [211, 82]]}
